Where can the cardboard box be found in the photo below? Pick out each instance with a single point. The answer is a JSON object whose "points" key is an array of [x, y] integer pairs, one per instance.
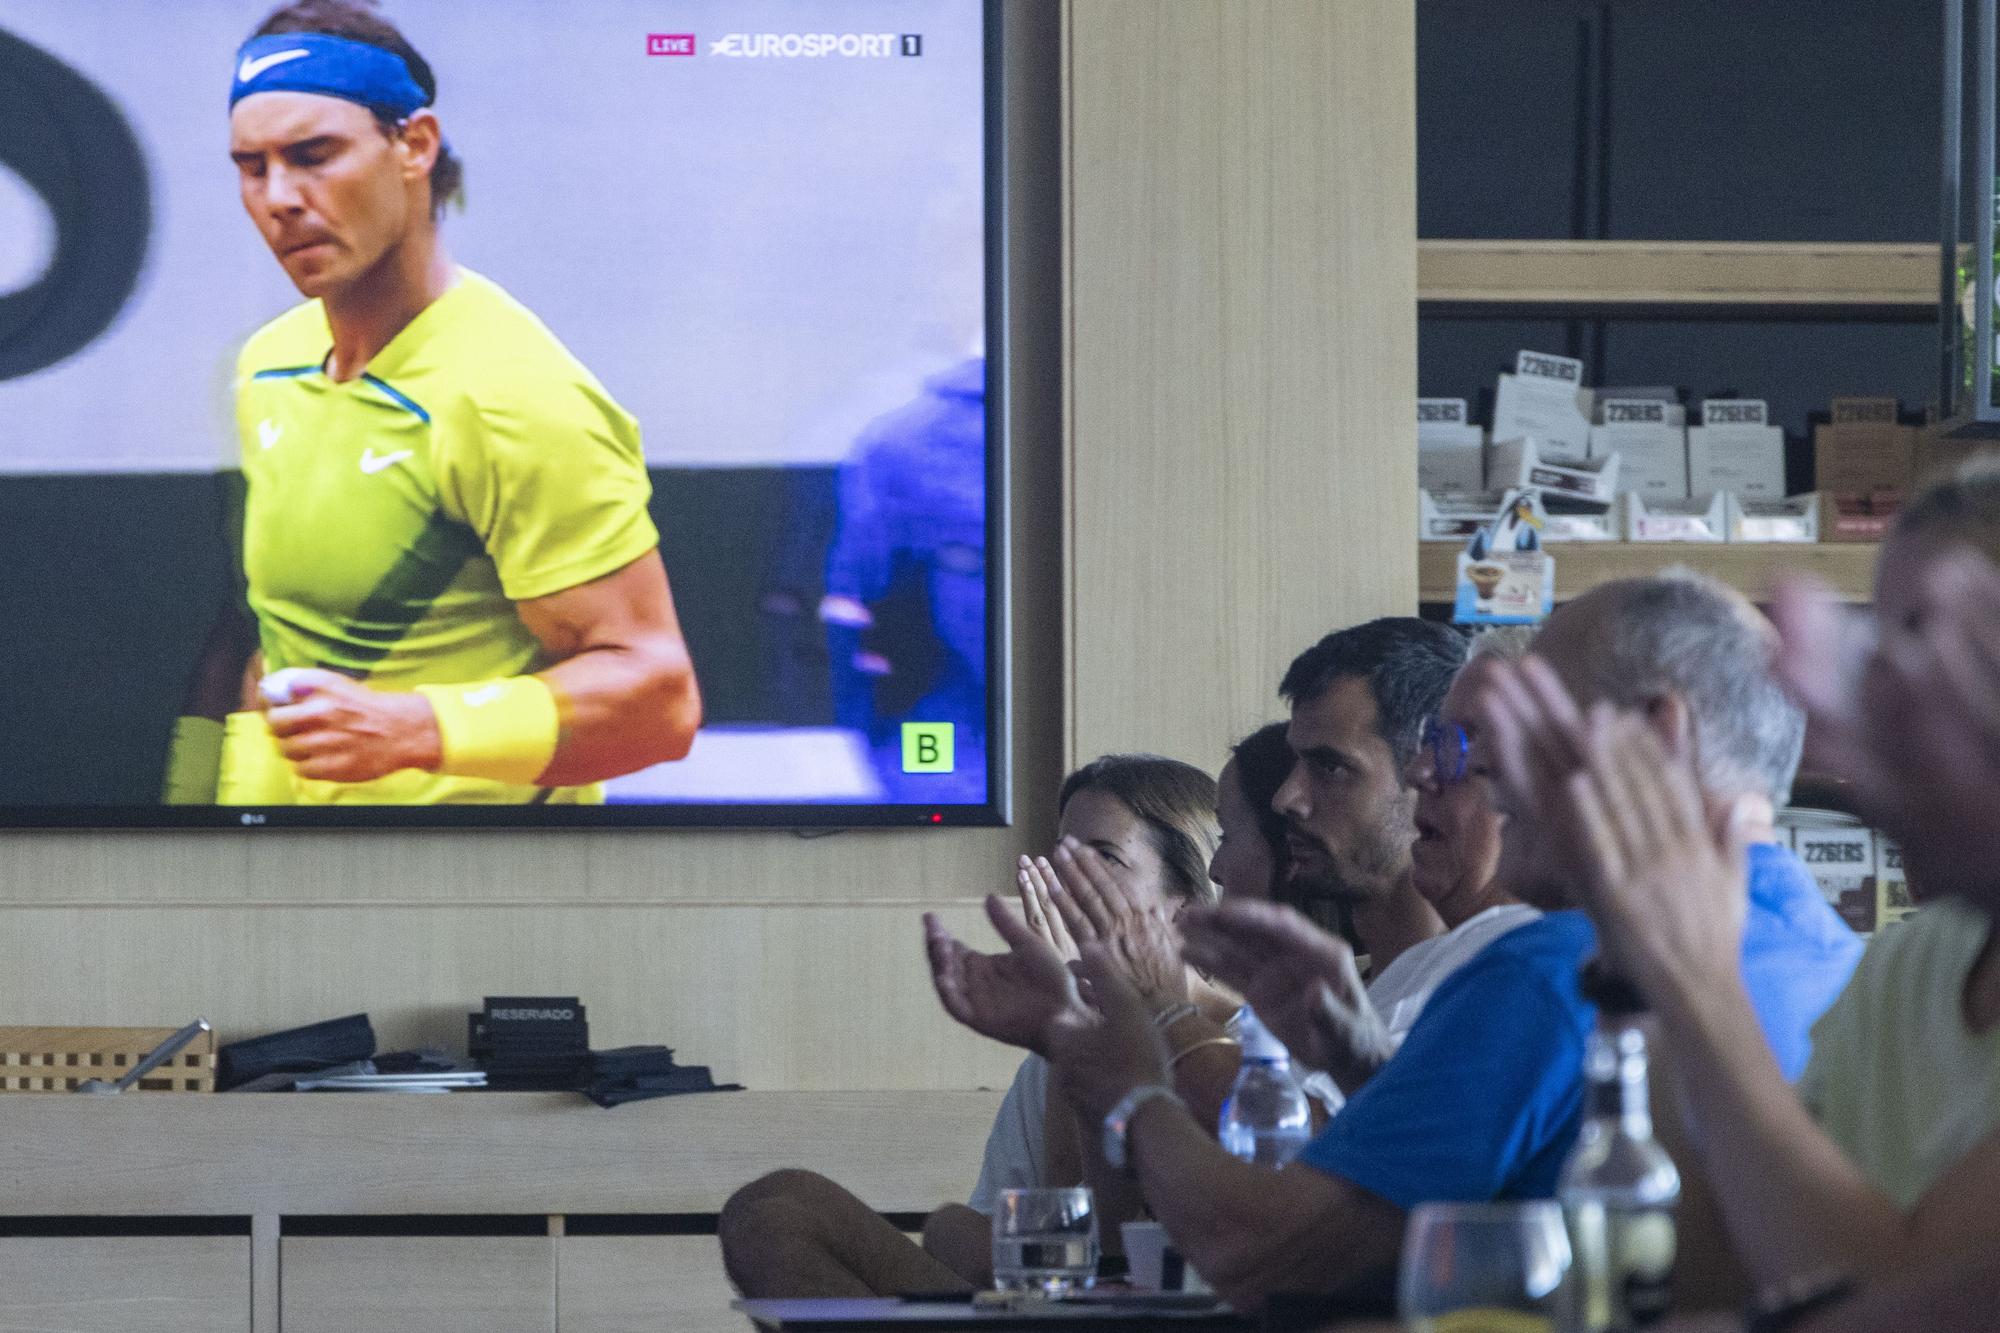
{"points": [[1651, 448], [1736, 449], [1892, 883], [1545, 399], [1527, 464], [1453, 516], [1704, 518], [1792, 520], [1451, 451], [1940, 455], [1864, 449], [1857, 518], [1575, 521], [1841, 857]]}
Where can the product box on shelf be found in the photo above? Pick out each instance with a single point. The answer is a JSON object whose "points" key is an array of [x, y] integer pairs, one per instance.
{"points": [[1795, 519], [1864, 448], [1567, 520], [1840, 853], [1649, 439], [1451, 451], [1857, 518], [1892, 883], [1736, 449], [1453, 516], [1705, 518], [1530, 465], [1545, 399]]}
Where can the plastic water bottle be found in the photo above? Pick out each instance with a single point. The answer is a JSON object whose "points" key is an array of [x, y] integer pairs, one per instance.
{"points": [[1266, 1119]]}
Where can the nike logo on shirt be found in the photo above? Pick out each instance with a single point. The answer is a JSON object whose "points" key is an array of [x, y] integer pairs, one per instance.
{"points": [[250, 69], [371, 464]]}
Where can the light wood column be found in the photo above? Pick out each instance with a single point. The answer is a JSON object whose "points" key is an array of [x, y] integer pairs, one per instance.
{"points": [[1241, 346]]}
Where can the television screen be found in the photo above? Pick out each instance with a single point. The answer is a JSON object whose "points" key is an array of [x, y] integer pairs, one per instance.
{"points": [[511, 413]]}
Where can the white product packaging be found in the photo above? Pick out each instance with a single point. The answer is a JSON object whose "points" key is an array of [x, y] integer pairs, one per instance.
{"points": [[1545, 398], [1451, 451], [1453, 516], [1840, 853], [1736, 449], [1794, 519], [1704, 518], [1530, 465], [1650, 443]]}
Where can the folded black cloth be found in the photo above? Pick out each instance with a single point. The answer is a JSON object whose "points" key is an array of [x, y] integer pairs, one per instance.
{"points": [[305, 1050], [635, 1073]]}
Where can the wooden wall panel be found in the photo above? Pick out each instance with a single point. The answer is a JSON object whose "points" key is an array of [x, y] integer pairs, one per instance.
{"points": [[1242, 352], [825, 997]]}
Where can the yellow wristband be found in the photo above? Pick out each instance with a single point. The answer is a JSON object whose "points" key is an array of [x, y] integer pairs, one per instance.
{"points": [[254, 770], [194, 762], [503, 730]]}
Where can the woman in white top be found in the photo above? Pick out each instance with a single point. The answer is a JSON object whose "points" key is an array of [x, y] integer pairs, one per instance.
{"points": [[1137, 835]]}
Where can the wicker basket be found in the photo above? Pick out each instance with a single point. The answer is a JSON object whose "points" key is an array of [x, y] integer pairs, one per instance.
{"points": [[57, 1059]]}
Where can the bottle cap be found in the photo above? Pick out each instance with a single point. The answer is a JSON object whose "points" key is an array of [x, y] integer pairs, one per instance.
{"points": [[1613, 995], [1258, 1043]]}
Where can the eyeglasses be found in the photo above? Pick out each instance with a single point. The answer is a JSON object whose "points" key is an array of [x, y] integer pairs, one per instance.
{"points": [[1449, 747]]}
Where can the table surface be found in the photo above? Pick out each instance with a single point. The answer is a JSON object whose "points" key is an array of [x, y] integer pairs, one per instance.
{"points": [[890, 1313]]}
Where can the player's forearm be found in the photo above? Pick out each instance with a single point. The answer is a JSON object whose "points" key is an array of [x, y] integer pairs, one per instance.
{"points": [[1248, 1230], [1794, 1203], [624, 707]]}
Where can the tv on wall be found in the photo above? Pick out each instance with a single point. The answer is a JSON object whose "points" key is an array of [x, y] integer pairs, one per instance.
{"points": [[658, 481]]}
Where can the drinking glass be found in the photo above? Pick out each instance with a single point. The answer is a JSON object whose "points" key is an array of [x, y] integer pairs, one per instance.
{"points": [[1490, 1267], [1044, 1240]]}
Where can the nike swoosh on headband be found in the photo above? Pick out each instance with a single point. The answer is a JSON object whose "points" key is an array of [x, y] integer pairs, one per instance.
{"points": [[250, 69]]}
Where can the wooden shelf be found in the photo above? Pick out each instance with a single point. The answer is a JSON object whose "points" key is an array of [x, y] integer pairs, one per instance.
{"points": [[1749, 566], [1881, 281]]}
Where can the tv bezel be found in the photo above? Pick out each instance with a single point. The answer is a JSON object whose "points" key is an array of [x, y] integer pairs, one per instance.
{"points": [[806, 817]]}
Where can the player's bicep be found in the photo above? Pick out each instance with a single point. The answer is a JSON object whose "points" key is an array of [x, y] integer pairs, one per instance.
{"points": [[622, 609]]}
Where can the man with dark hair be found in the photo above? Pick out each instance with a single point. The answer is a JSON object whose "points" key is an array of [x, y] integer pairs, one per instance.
{"points": [[457, 585], [1359, 699]]}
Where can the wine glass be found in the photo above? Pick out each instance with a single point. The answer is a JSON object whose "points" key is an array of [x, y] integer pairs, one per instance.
{"points": [[1493, 1267], [1044, 1240]]}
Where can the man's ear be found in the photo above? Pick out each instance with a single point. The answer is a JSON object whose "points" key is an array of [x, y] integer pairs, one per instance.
{"points": [[1668, 715], [420, 141]]}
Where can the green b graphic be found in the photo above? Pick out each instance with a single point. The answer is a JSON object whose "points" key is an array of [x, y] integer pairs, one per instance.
{"points": [[927, 747]]}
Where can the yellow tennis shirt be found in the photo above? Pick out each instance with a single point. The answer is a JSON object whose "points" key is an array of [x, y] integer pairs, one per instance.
{"points": [[392, 521]]}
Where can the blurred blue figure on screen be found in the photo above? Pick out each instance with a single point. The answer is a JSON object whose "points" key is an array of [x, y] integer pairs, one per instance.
{"points": [[912, 500]]}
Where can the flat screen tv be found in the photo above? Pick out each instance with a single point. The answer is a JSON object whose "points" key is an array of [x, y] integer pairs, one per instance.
{"points": [[315, 513]]}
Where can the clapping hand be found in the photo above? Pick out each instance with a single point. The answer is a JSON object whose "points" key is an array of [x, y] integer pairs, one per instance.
{"points": [[1035, 881], [1301, 980], [1012, 997], [1920, 728], [1101, 904], [1102, 1052]]}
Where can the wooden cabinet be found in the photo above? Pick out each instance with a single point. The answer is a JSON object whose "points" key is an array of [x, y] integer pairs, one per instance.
{"points": [[125, 1284], [642, 1284], [441, 1284]]}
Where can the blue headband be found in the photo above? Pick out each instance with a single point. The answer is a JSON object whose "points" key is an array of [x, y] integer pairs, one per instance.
{"points": [[317, 62]]}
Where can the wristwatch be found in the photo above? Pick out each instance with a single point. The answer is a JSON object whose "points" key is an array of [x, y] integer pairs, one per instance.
{"points": [[1118, 1121]]}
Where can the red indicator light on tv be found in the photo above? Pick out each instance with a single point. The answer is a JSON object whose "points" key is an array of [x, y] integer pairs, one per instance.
{"points": [[937, 817]]}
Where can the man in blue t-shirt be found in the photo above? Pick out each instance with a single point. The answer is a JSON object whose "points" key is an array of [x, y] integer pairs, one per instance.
{"points": [[1484, 1099]]}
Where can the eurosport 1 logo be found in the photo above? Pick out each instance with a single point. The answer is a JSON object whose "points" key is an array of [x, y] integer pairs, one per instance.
{"points": [[817, 45]]}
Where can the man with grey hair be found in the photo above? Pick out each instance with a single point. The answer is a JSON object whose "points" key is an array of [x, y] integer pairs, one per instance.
{"points": [[1694, 658]]}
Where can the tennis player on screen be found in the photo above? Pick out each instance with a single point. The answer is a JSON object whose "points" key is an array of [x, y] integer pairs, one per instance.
{"points": [[457, 588]]}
